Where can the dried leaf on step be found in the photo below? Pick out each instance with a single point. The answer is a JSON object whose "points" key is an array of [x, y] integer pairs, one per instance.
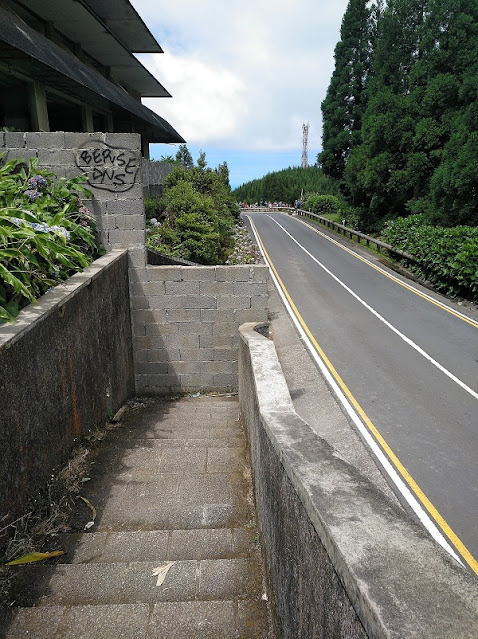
{"points": [[118, 416], [35, 556], [90, 506], [162, 571]]}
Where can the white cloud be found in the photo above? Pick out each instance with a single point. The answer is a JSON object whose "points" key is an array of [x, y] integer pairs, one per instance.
{"points": [[243, 75], [208, 99]]}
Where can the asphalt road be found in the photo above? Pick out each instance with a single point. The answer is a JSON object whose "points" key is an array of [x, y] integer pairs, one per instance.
{"points": [[407, 361]]}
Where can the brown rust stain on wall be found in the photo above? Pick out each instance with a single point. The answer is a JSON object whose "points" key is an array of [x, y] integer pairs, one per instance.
{"points": [[74, 401]]}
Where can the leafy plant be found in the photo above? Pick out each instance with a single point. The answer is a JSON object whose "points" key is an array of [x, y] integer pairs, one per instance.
{"points": [[447, 257], [197, 216], [323, 204], [245, 251], [46, 234], [152, 208]]}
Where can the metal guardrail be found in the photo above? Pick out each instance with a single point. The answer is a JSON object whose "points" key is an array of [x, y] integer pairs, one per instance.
{"points": [[340, 228]]}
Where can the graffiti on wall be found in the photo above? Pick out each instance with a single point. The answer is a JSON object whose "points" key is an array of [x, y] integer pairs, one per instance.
{"points": [[107, 167]]}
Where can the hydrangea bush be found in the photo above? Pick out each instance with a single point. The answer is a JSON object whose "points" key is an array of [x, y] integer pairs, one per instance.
{"points": [[245, 251], [46, 234]]}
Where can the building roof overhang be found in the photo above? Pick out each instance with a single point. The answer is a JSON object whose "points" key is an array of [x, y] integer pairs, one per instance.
{"points": [[30, 54], [109, 32]]}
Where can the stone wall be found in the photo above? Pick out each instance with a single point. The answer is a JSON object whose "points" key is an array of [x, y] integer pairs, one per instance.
{"points": [[343, 560], [64, 367]]}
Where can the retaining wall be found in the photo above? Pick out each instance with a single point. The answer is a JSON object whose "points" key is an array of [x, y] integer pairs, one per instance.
{"points": [[343, 560], [64, 366]]}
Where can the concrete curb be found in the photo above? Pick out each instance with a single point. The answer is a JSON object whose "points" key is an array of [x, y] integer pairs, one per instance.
{"points": [[393, 580]]}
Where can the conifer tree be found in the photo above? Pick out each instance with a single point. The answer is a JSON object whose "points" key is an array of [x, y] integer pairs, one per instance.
{"points": [[184, 157], [343, 106], [451, 100], [419, 132], [379, 179]]}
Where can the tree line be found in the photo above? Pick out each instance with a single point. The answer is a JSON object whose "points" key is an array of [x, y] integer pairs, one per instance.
{"points": [[401, 112], [287, 185]]}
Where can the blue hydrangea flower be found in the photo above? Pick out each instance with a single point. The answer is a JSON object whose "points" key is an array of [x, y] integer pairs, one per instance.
{"points": [[43, 227], [37, 181], [33, 194]]}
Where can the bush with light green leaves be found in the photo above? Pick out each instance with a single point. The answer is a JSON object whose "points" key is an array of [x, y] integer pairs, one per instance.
{"points": [[447, 257], [46, 234], [196, 216]]}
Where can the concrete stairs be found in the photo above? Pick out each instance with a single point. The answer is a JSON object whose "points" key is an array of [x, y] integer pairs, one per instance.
{"points": [[172, 489]]}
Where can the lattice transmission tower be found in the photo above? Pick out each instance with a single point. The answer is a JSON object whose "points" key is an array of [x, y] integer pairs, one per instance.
{"points": [[305, 141]]}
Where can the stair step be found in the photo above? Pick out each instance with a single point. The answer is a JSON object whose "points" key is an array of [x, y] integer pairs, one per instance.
{"points": [[134, 582], [171, 501], [227, 619], [157, 545]]}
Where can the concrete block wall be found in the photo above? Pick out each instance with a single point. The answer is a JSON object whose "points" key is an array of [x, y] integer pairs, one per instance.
{"points": [[153, 174], [185, 324]]}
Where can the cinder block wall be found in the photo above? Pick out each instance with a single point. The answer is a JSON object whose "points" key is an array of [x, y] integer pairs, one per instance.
{"points": [[117, 201], [185, 324], [153, 174]]}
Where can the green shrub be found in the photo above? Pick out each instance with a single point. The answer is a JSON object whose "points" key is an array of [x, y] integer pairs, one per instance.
{"points": [[46, 234], [198, 217], [152, 208], [447, 257], [323, 204]]}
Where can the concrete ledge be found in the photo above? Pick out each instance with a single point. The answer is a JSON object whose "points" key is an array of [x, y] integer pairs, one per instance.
{"points": [[52, 301], [344, 560]]}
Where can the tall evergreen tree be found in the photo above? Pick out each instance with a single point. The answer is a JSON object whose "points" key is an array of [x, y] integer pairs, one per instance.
{"points": [[223, 171], [343, 106], [379, 177], [184, 157], [419, 135], [451, 99]]}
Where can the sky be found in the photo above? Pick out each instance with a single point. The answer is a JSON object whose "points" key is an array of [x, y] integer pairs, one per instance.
{"points": [[244, 76]]}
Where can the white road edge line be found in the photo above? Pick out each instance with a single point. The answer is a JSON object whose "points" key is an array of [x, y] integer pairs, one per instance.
{"points": [[374, 447], [390, 275], [406, 339]]}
